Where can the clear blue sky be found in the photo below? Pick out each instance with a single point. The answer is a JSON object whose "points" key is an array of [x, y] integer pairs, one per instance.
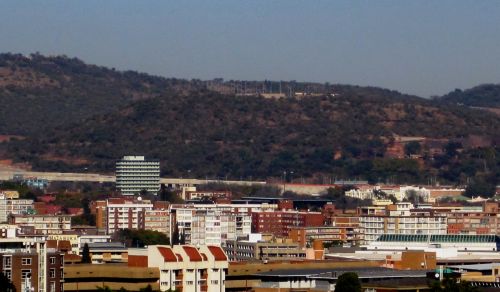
{"points": [[418, 47]]}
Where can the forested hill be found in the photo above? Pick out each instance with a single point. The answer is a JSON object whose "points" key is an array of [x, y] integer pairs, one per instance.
{"points": [[74, 116], [39, 92], [486, 95]]}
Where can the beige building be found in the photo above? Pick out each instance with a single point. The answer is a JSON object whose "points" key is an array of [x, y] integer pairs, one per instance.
{"points": [[73, 239], [11, 204], [401, 218], [280, 249], [43, 224], [157, 220], [184, 268]]}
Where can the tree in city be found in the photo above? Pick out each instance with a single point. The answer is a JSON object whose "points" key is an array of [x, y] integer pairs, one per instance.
{"points": [[86, 255], [175, 235], [5, 284], [146, 289], [450, 284], [348, 282], [182, 239], [140, 238]]}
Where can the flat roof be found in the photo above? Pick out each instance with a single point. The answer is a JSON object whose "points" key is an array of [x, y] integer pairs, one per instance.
{"points": [[329, 273], [476, 267]]}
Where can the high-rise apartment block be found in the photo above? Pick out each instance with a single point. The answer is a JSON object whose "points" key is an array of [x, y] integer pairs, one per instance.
{"points": [[136, 173]]}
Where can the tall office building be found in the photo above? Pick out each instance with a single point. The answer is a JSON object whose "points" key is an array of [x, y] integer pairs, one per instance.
{"points": [[135, 174]]}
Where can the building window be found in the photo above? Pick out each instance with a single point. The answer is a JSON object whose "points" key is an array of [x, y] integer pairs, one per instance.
{"points": [[26, 261], [189, 282], [62, 273], [52, 273], [52, 260], [215, 282], [52, 286], [7, 262], [8, 274], [25, 274]]}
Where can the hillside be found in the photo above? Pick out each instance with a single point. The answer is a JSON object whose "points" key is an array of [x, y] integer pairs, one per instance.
{"points": [[39, 92], [77, 116], [486, 95]]}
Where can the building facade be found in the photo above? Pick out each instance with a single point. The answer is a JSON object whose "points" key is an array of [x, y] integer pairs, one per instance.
{"points": [[135, 174], [213, 223], [126, 215], [43, 224], [473, 221], [184, 268], [279, 223], [31, 266], [401, 218], [244, 250], [11, 204]]}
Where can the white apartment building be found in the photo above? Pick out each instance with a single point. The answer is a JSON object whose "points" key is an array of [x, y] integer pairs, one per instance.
{"points": [[399, 192], [127, 215], [185, 268], [13, 205], [214, 223], [211, 226], [136, 173], [402, 218]]}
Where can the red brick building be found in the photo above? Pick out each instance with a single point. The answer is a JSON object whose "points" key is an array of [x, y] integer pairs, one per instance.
{"points": [[19, 261], [280, 222], [483, 221]]}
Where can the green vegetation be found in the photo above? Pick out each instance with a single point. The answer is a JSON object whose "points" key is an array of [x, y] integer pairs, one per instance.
{"points": [[86, 254], [486, 95], [341, 201], [24, 191], [450, 285], [5, 284], [141, 238], [348, 282]]}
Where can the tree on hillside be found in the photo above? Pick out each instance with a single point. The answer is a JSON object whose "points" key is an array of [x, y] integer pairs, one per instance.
{"points": [[412, 147], [480, 187], [348, 282], [86, 255]]}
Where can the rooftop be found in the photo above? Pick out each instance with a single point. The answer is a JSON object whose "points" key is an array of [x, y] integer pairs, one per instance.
{"points": [[439, 238], [363, 273]]}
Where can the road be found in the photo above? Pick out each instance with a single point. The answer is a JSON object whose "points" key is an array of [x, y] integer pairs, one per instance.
{"points": [[8, 174]]}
